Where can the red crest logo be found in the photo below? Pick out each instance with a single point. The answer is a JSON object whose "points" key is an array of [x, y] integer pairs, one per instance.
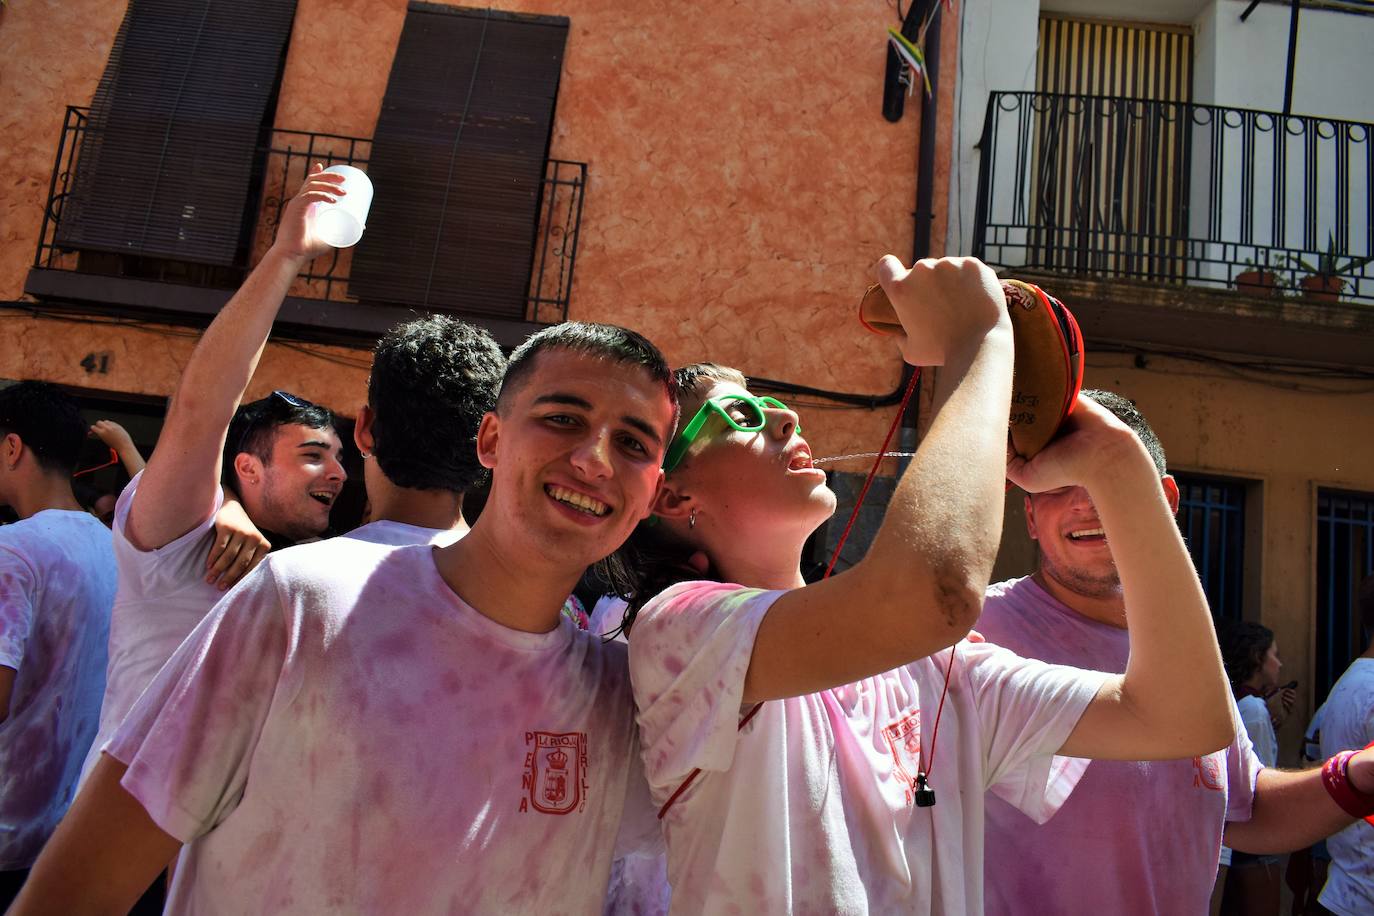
{"points": [[1209, 773], [904, 738], [555, 772]]}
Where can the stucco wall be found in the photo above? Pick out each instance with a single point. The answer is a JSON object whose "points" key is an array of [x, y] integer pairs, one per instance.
{"points": [[742, 180]]}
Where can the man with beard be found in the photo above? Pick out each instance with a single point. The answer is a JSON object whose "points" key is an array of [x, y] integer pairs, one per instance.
{"points": [[1134, 836]]}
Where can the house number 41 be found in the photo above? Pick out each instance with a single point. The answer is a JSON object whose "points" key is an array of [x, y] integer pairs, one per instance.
{"points": [[96, 363]]}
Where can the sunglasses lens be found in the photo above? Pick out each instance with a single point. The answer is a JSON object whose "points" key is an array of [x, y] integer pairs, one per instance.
{"points": [[290, 399], [747, 414]]}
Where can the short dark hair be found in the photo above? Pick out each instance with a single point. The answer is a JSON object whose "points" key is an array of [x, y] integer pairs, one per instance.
{"points": [[432, 381], [601, 341], [47, 420], [254, 426], [1128, 413], [1243, 644]]}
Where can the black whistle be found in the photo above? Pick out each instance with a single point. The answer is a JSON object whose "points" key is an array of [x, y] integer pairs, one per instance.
{"points": [[925, 795]]}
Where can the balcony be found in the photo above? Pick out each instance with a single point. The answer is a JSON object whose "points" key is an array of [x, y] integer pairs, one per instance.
{"points": [[1171, 192], [320, 304], [1150, 210]]}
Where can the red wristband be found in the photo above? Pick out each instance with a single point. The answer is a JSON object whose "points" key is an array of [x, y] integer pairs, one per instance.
{"points": [[1369, 818], [1336, 780]]}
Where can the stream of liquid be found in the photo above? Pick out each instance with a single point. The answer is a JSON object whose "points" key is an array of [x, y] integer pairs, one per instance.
{"points": [[864, 455]]}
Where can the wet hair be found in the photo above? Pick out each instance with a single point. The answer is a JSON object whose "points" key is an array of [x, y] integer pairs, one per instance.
{"points": [[654, 559], [1243, 644], [432, 381], [253, 430], [1364, 601], [1129, 414], [47, 420], [600, 341]]}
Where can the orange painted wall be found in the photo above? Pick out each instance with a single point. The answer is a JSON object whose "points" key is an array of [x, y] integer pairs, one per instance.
{"points": [[741, 180]]}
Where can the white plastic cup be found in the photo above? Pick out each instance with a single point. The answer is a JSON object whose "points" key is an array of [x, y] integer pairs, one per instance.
{"points": [[341, 224]]}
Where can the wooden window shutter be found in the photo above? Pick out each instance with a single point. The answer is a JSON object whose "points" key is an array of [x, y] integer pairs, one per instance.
{"points": [[168, 165], [458, 161]]}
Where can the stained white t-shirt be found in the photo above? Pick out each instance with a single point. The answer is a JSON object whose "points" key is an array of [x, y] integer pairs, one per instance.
{"points": [[1102, 853], [57, 582], [1348, 724], [810, 808], [344, 734], [163, 596], [1254, 715]]}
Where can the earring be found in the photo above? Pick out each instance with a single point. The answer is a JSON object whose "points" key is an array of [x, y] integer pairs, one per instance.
{"points": [[692, 519], [366, 455]]}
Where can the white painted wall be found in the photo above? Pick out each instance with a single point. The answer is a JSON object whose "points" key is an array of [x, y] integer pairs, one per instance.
{"points": [[1237, 64], [1242, 64], [997, 52]]}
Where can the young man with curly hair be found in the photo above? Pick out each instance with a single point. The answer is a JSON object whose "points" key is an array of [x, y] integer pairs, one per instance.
{"points": [[432, 381]]}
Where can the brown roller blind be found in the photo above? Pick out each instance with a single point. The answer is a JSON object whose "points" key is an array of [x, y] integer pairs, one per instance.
{"points": [[458, 161], [1110, 175], [166, 167]]}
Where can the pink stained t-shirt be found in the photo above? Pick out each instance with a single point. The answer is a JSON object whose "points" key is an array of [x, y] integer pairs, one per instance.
{"points": [[57, 582], [162, 595], [344, 734], [809, 808], [1134, 837]]}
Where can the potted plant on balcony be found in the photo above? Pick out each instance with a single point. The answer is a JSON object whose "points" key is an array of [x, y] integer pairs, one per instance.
{"points": [[1324, 281], [1261, 278]]}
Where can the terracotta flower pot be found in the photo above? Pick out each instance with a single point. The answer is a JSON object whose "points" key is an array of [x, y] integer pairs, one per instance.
{"points": [[1322, 287], [1258, 283]]}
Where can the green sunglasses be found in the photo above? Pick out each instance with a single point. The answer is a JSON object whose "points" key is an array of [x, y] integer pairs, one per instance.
{"points": [[743, 412]]}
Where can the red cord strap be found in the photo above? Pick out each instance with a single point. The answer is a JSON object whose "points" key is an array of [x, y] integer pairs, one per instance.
{"points": [[849, 526]]}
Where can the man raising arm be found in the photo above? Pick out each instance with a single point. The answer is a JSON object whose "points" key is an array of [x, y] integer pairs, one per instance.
{"points": [[1141, 835], [281, 456]]}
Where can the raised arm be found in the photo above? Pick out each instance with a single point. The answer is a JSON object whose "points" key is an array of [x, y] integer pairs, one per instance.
{"points": [[104, 854], [1293, 810], [178, 488], [920, 587], [117, 438], [1174, 700]]}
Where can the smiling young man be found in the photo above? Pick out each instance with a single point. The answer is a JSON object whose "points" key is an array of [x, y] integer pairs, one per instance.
{"points": [[360, 727], [1135, 836], [281, 454]]}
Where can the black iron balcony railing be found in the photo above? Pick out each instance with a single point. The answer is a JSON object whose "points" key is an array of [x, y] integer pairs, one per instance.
{"points": [[1179, 193], [285, 161]]}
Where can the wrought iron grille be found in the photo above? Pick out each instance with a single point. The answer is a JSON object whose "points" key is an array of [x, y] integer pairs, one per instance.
{"points": [[286, 158], [1177, 192], [1345, 556], [1211, 516]]}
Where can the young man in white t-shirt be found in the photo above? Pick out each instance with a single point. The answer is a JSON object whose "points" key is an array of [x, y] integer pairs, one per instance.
{"points": [[57, 582], [280, 454], [1134, 836], [360, 727]]}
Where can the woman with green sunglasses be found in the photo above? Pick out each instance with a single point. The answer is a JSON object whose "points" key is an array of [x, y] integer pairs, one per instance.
{"points": [[792, 734], [810, 805]]}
